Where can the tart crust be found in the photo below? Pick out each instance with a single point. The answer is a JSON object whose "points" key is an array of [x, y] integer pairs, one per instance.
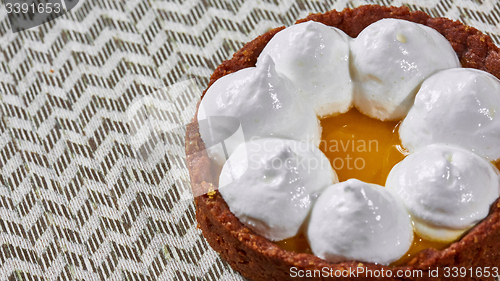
{"points": [[257, 258]]}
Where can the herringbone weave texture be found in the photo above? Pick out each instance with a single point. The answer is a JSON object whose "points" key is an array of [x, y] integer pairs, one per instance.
{"points": [[93, 181]]}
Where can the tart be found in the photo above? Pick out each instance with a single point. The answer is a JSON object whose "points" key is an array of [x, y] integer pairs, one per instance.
{"points": [[258, 258]]}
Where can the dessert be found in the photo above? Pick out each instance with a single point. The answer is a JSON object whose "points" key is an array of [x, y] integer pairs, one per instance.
{"points": [[255, 256], [304, 53], [270, 184], [390, 60], [446, 189], [353, 220], [457, 107]]}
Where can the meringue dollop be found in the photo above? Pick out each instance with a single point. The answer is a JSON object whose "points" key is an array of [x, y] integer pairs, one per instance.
{"points": [[446, 190], [316, 58], [271, 184], [390, 59], [353, 220], [456, 107], [265, 102]]}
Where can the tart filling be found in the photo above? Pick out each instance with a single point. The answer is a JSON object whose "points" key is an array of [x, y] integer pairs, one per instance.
{"points": [[399, 105]]}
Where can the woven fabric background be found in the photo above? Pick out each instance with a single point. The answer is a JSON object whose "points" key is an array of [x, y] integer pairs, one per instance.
{"points": [[93, 182]]}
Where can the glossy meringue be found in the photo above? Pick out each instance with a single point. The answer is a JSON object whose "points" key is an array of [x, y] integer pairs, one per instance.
{"points": [[316, 58], [456, 107], [447, 190], [353, 220], [266, 104], [271, 184], [390, 59]]}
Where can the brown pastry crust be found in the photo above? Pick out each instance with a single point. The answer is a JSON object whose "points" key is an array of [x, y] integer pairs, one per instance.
{"points": [[256, 257]]}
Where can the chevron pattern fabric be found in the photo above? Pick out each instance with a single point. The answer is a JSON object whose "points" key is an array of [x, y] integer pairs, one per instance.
{"points": [[93, 105]]}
